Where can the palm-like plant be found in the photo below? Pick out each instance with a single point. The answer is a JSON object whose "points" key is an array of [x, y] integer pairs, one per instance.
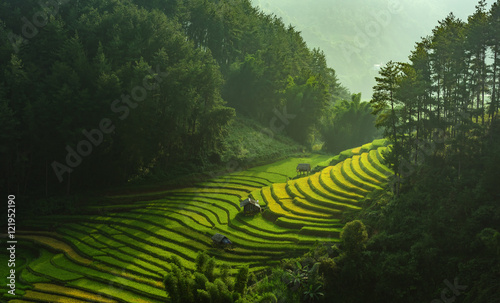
{"points": [[350, 124], [313, 293], [298, 277]]}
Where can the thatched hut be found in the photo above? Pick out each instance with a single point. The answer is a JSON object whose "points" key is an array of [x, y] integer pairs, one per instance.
{"points": [[221, 240], [250, 206]]}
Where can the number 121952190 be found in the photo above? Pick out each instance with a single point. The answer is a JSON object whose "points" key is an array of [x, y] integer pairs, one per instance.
{"points": [[11, 215]]}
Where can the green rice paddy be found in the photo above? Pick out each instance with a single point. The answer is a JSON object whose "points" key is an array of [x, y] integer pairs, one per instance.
{"points": [[122, 254]]}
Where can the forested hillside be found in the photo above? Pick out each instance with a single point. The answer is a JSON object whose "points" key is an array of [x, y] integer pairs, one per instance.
{"points": [[447, 93], [358, 36], [94, 93], [434, 236]]}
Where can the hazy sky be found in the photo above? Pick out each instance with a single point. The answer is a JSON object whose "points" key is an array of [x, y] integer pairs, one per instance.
{"points": [[358, 36]]}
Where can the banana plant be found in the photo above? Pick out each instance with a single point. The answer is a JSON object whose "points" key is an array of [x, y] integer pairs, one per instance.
{"points": [[313, 293]]}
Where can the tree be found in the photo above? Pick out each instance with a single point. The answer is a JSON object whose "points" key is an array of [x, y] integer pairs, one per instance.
{"points": [[354, 237], [494, 43], [201, 262], [181, 60], [347, 124], [241, 280], [9, 126], [385, 106], [306, 99], [422, 89], [476, 45]]}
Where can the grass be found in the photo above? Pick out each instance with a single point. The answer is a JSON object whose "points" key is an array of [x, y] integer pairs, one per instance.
{"points": [[349, 175], [317, 208], [45, 297], [325, 178], [86, 245], [279, 191], [280, 171], [310, 195], [122, 254], [241, 144], [117, 278], [290, 209], [374, 158], [340, 178], [320, 231], [356, 151], [71, 292], [29, 277], [360, 172], [112, 261], [112, 290], [368, 168], [43, 266], [58, 245], [298, 224]]}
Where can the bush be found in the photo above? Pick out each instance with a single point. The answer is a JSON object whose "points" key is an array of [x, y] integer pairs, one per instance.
{"points": [[354, 237], [203, 296], [241, 280], [268, 297]]}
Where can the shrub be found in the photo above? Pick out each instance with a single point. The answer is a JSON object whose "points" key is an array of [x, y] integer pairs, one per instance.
{"points": [[354, 236], [201, 262], [200, 280], [268, 297], [210, 270], [225, 276], [203, 296], [171, 283], [241, 280]]}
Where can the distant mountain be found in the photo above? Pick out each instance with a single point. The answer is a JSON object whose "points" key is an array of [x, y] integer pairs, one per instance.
{"points": [[358, 36]]}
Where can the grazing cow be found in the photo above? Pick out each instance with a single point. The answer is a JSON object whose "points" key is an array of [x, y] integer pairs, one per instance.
{"points": [[303, 167]]}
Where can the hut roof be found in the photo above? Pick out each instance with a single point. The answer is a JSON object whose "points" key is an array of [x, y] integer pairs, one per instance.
{"points": [[249, 201], [218, 238]]}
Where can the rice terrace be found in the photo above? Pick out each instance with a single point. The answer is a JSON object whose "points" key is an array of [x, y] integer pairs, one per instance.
{"points": [[123, 253]]}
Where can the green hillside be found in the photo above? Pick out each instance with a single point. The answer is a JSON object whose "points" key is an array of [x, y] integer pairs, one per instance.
{"points": [[249, 142], [122, 253]]}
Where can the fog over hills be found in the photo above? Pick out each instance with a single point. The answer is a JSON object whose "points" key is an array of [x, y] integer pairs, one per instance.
{"points": [[358, 36]]}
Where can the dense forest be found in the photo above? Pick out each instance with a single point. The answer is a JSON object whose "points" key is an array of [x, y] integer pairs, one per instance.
{"points": [[434, 235], [446, 96], [96, 93]]}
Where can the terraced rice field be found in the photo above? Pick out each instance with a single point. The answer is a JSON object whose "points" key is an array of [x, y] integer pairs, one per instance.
{"points": [[122, 254]]}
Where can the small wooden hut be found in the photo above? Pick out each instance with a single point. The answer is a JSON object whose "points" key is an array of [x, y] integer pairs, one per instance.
{"points": [[303, 168], [221, 240], [250, 206]]}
